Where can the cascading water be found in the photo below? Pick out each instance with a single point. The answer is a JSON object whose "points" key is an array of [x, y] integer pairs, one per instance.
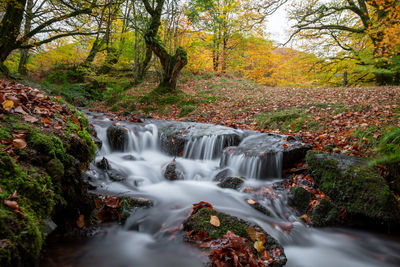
{"points": [[206, 147], [143, 241], [254, 166]]}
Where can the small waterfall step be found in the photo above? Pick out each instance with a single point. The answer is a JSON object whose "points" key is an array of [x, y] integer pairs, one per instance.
{"points": [[196, 140], [264, 156]]}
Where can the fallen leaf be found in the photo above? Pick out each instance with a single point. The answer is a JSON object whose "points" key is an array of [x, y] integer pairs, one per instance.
{"points": [[19, 109], [46, 121], [305, 218], [14, 196], [214, 220], [112, 202], [8, 104], [30, 118], [251, 201], [259, 246], [11, 204], [80, 222], [201, 205], [19, 143]]}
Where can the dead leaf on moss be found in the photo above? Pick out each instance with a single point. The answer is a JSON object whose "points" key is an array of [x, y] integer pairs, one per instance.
{"points": [[19, 143], [214, 220]]}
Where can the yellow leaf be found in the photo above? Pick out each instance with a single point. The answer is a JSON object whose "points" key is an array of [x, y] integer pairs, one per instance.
{"points": [[19, 143], [214, 220], [259, 246], [8, 104]]}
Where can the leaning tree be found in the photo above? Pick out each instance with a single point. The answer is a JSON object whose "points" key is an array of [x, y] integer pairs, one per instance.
{"points": [[171, 64]]}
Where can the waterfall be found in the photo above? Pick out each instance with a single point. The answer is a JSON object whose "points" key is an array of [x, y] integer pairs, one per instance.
{"points": [[206, 147], [268, 165]]}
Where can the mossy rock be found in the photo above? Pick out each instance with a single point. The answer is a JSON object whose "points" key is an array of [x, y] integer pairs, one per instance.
{"points": [[47, 177], [231, 182], [355, 186], [325, 214], [300, 198], [200, 221]]}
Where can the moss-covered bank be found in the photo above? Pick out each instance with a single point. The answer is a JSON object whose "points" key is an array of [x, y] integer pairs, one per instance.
{"points": [[47, 178], [360, 189]]}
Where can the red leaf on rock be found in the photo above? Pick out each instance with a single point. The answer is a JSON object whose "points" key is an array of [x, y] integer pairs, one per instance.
{"points": [[200, 205], [112, 202]]}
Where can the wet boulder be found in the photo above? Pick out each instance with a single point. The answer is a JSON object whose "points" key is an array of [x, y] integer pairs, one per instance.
{"points": [[231, 182], [265, 155], [131, 158], [116, 175], [103, 164], [222, 175], [325, 214], [220, 229], [192, 138], [172, 171], [360, 189], [117, 137]]}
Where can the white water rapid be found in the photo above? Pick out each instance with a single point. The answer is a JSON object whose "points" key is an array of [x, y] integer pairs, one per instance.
{"points": [[143, 241]]}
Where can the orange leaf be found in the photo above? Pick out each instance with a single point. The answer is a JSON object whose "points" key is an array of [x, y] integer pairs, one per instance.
{"points": [[80, 222], [46, 121]]}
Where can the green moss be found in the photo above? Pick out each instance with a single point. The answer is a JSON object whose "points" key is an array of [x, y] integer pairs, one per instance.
{"points": [[358, 188], [301, 198], [201, 221], [285, 119], [186, 110], [49, 145], [5, 134], [23, 126], [325, 214], [36, 200]]}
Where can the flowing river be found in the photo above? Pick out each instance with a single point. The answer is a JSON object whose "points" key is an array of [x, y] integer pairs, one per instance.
{"points": [[144, 240]]}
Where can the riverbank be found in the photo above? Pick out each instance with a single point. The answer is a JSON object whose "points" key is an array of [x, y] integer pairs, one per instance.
{"points": [[45, 147]]}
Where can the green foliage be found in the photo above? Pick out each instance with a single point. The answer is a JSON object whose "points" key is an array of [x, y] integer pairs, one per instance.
{"points": [[389, 147]]}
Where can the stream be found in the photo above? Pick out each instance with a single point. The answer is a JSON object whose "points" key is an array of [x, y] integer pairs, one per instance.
{"points": [[143, 240]]}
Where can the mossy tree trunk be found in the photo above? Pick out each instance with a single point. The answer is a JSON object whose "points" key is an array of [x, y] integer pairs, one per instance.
{"points": [[171, 64], [27, 28], [9, 30]]}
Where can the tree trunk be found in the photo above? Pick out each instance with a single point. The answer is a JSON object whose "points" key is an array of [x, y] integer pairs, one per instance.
{"points": [[171, 64], [172, 68], [9, 30], [98, 43], [27, 28], [141, 67]]}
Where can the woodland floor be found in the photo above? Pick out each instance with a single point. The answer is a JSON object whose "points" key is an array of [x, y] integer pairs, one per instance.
{"points": [[347, 120]]}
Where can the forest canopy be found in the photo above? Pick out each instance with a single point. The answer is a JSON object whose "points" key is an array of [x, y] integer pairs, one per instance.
{"points": [[94, 39]]}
